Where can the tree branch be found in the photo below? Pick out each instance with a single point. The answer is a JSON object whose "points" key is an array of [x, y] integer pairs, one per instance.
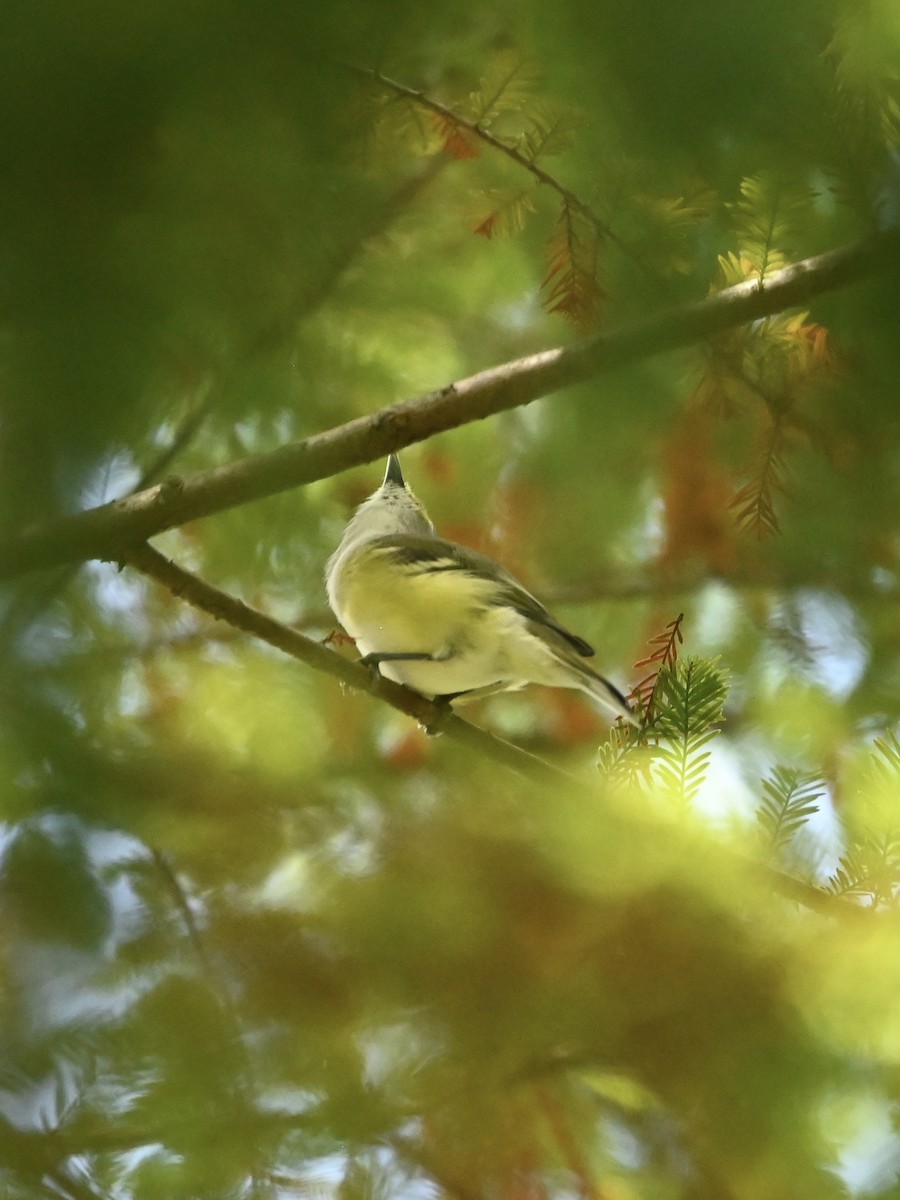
{"points": [[107, 531], [436, 717]]}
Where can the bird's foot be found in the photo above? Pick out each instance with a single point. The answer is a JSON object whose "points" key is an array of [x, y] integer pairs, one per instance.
{"points": [[433, 727], [374, 659]]}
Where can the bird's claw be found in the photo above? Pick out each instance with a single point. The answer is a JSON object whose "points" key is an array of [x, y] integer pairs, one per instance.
{"points": [[442, 705]]}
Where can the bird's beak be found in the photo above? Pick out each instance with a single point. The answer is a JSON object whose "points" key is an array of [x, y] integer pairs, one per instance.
{"points": [[393, 474]]}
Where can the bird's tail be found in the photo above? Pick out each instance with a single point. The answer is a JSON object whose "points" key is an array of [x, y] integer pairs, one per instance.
{"points": [[605, 693]]}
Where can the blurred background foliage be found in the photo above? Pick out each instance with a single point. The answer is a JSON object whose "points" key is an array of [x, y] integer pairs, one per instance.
{"points": [[263, 938]]}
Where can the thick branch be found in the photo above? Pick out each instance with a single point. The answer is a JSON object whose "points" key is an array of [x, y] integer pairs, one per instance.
{"points": [[107, 531], [433, 716]]}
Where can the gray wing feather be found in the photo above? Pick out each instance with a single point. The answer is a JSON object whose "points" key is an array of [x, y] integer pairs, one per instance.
{"points": [[436, 554]]}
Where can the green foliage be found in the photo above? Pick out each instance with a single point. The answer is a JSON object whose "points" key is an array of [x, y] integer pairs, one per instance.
{"points": [[668, 230], [866, 72], [507, 85], [550, 130], [870, 867], [49, 887], [769, 220], [262, 937], [666, 647], [689, 701], [754, 501], [507, 212], [789, 800]]}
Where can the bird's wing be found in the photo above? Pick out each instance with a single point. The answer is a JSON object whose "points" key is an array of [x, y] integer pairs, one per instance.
{"points": [[438, 554]]}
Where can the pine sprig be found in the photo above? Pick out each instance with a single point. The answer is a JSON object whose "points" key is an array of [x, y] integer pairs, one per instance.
{"points": [[396, 122], [775, 360], [754, 502], [665, 655], [456, 141], [789, 800], [765, 370], [719, 388], [507, 86], [768, 219], [507, 212], [871, 865], [885, 764], [571, 287], [865, 73], [613, 751], [691, 698], [549, 131], [690, 701], [669, 229], [806, 347], [625, 756]]}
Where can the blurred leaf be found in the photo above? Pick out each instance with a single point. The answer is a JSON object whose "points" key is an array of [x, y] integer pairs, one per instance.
{"points": [[571, 285], [48, 888], [789, 800], [506, 86]]}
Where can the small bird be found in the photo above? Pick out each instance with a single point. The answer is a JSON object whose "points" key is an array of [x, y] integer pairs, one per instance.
{"points": [[444, 620]]}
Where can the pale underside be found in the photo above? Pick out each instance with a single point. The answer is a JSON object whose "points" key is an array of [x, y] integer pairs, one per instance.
{"points": [[441, 609]]}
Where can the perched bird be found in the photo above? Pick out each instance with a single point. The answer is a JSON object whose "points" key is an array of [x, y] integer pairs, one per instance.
{"points": [[447, 621]]}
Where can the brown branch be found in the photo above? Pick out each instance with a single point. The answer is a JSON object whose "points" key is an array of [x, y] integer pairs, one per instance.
{"points": [[107, 531], [438, 718]]}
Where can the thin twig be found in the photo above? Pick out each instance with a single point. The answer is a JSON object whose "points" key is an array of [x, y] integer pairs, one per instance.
{"points": [[476, 129], [434, 717]]}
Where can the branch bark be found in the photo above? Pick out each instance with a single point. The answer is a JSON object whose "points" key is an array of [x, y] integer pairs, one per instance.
{"points": [[437, 717], [108, 531]]}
